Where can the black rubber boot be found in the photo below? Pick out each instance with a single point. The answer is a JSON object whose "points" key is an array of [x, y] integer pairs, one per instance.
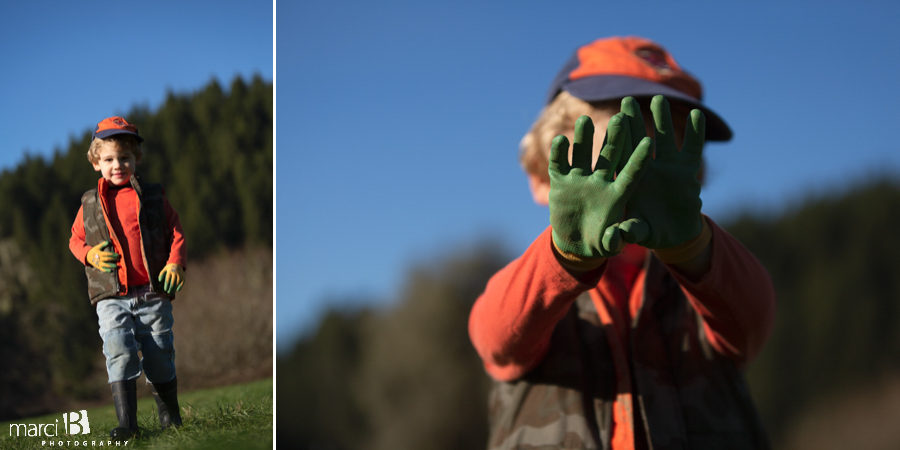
{"points": [[125, 400], [166, 395]]}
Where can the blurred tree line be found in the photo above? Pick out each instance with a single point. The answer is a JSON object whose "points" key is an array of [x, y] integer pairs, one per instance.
{"points": [[835, 264], [211, 150], [407, 377]]}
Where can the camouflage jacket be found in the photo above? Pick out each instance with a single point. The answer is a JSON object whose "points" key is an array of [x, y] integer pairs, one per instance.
{"points": [[155, 241], [686, 395]]}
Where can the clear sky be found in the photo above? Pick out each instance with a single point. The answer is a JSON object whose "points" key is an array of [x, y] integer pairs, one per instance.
{"points": [[67, 65], [399, 121]]}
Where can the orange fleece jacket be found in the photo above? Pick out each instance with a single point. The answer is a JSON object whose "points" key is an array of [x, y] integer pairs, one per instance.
{"points": [[121, 207], [511, 323]]}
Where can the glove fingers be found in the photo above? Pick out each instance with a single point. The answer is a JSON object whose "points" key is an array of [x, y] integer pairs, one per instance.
{"points": [[632, 110], [634, 169], [612, 240], [559, 155], [617, 141], [583, 144], [694, 133], [176, 280], [108, 257], [662, 122]]}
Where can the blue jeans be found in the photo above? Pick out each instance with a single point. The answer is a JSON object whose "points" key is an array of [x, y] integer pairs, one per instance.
{"points": [[141, 321]]}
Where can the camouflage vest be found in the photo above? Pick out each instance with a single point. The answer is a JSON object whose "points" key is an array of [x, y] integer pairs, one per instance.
{"points": [[686, 396], [155, 241]]}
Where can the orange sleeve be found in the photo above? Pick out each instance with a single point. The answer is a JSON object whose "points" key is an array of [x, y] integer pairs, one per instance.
{"points": [[511, 323], [736, 298], [77, 244], [177, 251]]}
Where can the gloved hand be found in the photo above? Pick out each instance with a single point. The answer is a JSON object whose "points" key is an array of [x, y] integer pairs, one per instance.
{"points": [[172, 277], [586, 202], [665, 211], [105, 261]]}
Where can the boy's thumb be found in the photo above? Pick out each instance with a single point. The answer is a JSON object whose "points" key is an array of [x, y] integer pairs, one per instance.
{"points": [[634, 231]]}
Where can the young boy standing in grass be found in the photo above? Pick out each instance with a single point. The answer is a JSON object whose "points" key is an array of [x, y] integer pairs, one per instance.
{"points": [[130, 241]]}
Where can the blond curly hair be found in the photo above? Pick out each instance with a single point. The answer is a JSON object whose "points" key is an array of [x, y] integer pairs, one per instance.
{"points": [[126, 142]]}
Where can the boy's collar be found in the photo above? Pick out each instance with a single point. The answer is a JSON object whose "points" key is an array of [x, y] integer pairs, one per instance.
{"points": [[103, 185]]}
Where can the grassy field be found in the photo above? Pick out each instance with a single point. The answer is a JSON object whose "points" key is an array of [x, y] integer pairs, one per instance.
{"points": [[238, 416]]}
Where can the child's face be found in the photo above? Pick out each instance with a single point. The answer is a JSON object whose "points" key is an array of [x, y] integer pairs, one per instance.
{"points": [[114, 164]]}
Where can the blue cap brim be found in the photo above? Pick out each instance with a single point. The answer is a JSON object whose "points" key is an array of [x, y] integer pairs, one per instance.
{"points": [[112, 132]]}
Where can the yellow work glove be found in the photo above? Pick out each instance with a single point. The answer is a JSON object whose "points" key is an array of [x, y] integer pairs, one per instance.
{"points": [[172, 277], [102, 260]]}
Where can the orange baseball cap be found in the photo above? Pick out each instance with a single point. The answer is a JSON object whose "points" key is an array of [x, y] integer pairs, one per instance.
{"points": [[115, 125], [617, 67]]}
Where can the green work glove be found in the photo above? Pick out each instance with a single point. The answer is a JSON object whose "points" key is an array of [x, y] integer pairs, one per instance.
{"points": [[665, 211], [105, 261], [172, 277], [585, 202]]}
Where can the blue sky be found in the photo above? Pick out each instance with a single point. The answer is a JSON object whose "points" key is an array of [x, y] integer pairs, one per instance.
{"points": [[399, 121], [68, 65]]}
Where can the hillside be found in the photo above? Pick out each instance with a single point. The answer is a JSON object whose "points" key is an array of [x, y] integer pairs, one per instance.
{"points": [[236, 416]]}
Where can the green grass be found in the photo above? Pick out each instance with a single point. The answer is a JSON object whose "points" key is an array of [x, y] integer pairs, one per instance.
{"points": [[238, 416]]}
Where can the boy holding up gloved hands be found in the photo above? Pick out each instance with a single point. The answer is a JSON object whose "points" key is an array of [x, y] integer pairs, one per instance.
{"points": [[130, 240], [627, 322]]}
